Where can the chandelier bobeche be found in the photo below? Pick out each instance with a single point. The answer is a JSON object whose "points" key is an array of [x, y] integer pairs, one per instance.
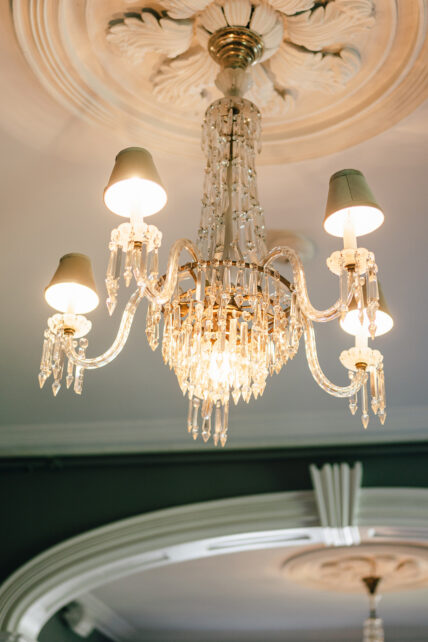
{"points": [[229, 318]]}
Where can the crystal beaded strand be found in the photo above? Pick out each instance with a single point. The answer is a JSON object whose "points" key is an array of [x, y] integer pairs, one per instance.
{"points": [[80, 370], [372, 294]]}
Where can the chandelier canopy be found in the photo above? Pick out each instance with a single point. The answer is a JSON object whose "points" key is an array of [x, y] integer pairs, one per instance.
{"points": [[229, 318]]}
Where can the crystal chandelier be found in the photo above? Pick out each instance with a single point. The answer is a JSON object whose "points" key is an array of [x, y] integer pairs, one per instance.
{"points": [[229, 318]]}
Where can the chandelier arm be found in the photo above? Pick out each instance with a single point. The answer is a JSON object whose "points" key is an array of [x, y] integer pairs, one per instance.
{"points": [[161, 295], [305, 305], [118, 343], [315, 368]]}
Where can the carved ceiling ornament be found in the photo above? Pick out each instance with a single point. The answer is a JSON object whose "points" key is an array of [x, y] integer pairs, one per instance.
{"points": [[401, 566], [307, 47], [334, 72]]}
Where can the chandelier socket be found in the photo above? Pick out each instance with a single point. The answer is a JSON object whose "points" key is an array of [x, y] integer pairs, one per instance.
{"points": [[69, 332], [353, 260], [236, 47], [72, 288], [361, 365], [75, 325], [350, 197], [135, 189]]}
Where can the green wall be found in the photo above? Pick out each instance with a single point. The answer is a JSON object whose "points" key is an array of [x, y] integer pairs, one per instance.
{"points": [[45, 501]]}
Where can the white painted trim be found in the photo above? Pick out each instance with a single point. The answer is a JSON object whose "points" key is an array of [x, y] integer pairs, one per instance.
{"points": [[75, 567], [79, 565], [107, 621], [248, 430]]}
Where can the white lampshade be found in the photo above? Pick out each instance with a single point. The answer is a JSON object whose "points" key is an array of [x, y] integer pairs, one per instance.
{"points": [[72, 288], [384, 321], [351, 323], [350, 197], [135, 188]]}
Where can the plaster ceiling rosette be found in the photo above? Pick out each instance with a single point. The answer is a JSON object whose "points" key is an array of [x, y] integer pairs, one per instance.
{"points": [[400, 567], [331, 75]]}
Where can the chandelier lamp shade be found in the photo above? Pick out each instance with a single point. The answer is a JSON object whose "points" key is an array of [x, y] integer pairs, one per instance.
{"points": [[135, 188], [351, 207], [72, 289], [351, 323], [228, 319]]}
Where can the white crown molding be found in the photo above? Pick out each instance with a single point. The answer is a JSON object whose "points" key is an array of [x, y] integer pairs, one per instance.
{"points": [[288, 429], [107, 621], [77, 566]]}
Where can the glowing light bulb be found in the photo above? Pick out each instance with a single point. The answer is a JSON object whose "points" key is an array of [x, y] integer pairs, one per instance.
{"points": [[220, 368]]}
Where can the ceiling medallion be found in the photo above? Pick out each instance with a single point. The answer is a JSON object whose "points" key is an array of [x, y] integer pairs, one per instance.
{"points": [[401, 567], [331, 74], [229, 318], [368, 568], [299, 46]]}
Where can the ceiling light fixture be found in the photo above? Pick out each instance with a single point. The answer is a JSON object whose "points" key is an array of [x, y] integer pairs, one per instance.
{"points": [[229, 318]]}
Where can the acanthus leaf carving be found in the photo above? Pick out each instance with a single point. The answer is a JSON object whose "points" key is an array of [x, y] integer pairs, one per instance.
{"points": [[290, 7], [301, 69], [180, 9], [135, 37], [336, 23], [264, 93], [298, 63], [183, 80]]}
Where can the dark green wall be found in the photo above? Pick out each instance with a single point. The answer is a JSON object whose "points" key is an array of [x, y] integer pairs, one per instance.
{"points": [[57, 631], [45, 501]]}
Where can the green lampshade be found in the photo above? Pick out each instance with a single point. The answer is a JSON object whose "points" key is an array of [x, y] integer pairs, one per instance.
{"points": [[134, 188], [72, 288], [350, 196], [384, 321]]}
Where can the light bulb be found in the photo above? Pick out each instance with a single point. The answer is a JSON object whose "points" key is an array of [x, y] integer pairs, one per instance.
{"points": [[220, 368]]}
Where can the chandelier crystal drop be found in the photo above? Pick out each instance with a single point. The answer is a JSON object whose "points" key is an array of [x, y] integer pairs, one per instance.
{"points": [[228, 318]]}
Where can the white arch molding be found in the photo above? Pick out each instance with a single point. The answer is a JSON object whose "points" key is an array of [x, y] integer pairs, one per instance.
{"points": [[61, 574]]}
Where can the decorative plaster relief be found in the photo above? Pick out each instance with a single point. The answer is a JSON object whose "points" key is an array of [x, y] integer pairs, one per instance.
{"points": [[332, 74], [312, 55], [401, 566]]}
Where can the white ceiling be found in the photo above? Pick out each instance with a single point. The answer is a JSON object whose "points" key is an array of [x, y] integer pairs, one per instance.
{"points": [[245, 596], [52, 182]]}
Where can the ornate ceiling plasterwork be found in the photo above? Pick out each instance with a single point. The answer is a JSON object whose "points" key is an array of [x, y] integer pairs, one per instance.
{"points": [[303, 47], [332, 73], [401, 566]]}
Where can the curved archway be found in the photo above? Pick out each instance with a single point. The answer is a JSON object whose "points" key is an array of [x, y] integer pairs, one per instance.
{"points": [[42, 586]]}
